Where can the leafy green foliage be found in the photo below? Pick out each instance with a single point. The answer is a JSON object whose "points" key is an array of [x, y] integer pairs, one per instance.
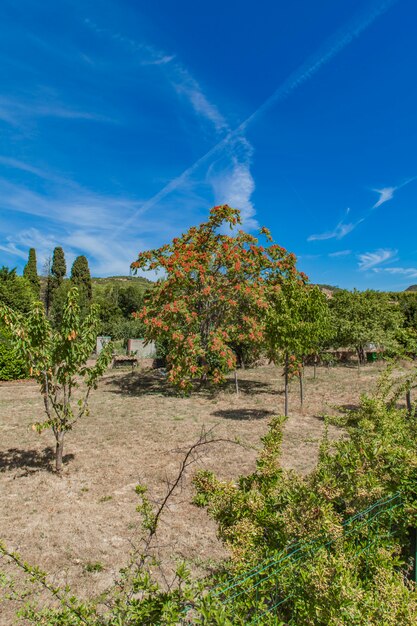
{"points": [[297, 320], [297, 324], [354, 579], [362, 317], [15, 291], [58, 361], [12, 367]]}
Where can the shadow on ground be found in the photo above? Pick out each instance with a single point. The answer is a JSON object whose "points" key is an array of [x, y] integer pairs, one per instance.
{"points": [[154, 383], [30, 460], [252, 387], [243, 414], [139, 384]]}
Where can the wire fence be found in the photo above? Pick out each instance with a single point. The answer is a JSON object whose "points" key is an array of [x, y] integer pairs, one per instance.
{"points": [[265, 590]]}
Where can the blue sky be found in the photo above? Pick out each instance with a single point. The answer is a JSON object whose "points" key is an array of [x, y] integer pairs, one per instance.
{"points": [[122, 123]]}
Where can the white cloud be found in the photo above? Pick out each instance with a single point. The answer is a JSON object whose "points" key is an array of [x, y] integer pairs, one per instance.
{"points": [[340, 40], [410, 272], [163, 60], [104, 260], [186, 85], [368, 260], [341, 230], [385, 194], [16, 111], [340, 253], [234, 185], [12, 249]]}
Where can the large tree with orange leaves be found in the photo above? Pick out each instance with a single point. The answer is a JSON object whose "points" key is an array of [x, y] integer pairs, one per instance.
{"points": [[212, 295]]}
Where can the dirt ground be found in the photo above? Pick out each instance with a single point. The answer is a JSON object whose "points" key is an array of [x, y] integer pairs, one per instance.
{"points": [[85, 521]]}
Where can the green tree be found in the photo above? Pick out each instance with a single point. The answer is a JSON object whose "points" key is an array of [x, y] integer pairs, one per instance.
{"points": [[81, 277], [30, 271], [130, 299], [15, 292], [363, 317], [297, 324], [58, 362], [55, 276]]}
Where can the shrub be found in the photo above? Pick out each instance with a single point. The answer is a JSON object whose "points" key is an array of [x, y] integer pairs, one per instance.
{"points": [[12, 367]]}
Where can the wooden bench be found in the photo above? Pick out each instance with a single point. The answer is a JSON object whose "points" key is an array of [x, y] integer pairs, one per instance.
{"points": [[120, 360]]}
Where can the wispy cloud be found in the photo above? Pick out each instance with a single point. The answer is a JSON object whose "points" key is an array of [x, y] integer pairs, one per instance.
{"points": [[163, 60], [330, 49], [15, 111], [184, 84], [341, 230], [369, 260], [409, 272], [187, 86], [340, 253], [149, 55], [333, 46], [233, 183], [385, 194]]}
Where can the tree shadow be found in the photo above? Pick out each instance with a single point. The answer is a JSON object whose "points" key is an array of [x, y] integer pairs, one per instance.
{"points": [[155, 383], [348, 408], [243, 414], [30, 460], [140, 384], [251, 387]]}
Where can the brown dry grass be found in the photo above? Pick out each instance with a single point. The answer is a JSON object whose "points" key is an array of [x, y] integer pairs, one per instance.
{"points": [[132, 435]]}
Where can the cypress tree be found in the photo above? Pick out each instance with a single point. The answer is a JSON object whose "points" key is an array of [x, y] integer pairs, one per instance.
{"points": [[59, 267], [30, 272], [56, 274], [81, 277]]}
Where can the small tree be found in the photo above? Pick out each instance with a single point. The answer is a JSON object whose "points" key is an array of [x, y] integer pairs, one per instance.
{"points": [[30, 271], [58, 362], [362, 317], [81, 277], [297, 324]]}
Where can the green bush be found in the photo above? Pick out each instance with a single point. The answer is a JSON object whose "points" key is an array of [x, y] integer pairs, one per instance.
{"points": [[12, 367]]}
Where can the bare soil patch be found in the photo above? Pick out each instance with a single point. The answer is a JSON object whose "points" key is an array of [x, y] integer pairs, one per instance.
{"points": [[136, 425]]}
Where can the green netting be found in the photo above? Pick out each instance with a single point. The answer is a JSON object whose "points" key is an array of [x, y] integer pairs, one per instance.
{"points": [[263, 589]]}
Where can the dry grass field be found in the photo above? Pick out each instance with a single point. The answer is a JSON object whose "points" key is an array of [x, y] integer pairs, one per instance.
{"points": [[86, 521]]}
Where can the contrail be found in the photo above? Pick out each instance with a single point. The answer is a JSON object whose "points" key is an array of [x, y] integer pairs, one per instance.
{"points": [[332, 47]]}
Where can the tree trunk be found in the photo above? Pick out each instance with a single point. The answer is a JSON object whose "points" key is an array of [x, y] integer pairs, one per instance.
{"points": [[358, 352], [301, 386], [59, 436], [236, 383], [286, 385], [315, 366], [408, 401]]}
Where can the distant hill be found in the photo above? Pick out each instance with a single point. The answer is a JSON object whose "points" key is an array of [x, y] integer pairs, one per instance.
{"points": [[329, 290], [137, 280], [411, 288]]}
